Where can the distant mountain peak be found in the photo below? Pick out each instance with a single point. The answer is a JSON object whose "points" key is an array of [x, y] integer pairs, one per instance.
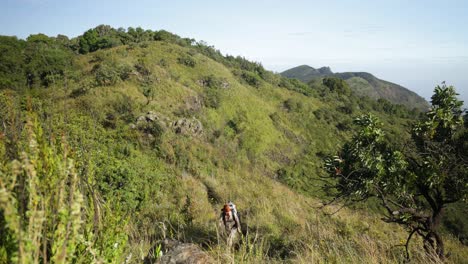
{"points": [[363, 84], [325, 70]]}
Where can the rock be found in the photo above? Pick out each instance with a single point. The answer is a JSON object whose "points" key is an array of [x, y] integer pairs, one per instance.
{"points": [[141, 119], [151, 116], [193, 104], [225, 85], [186, 126], [151, 123], [175, 252]]}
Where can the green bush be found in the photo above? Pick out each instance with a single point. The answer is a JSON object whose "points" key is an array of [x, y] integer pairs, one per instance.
{"points": [[125, 71], [293, 104], [251, 78], [105, 75], [295, 85], [337, 85], [187, 61]]}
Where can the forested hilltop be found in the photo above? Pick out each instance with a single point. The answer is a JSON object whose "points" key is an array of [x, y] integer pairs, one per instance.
{"points": [[119, 138]]}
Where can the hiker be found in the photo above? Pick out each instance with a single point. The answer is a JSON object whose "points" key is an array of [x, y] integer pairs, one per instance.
{"points": [[229, 219]]}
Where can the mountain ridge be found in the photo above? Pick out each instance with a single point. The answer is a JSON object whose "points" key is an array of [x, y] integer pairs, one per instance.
{"points": [[363, 84]]}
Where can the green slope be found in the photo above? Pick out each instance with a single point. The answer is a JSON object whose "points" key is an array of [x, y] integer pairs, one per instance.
{"points": [[144, 176], [363, 84]]}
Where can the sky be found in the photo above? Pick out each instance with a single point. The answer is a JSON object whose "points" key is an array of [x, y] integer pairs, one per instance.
{"points": [[417, 44]]}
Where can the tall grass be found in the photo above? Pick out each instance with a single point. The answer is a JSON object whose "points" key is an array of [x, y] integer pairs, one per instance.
{"points": [[44, 207]]}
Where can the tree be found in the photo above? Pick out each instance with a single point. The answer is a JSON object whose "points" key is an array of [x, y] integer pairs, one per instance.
{"points": [[11, 62], [46, 61], [413, 184], [337, 85]]}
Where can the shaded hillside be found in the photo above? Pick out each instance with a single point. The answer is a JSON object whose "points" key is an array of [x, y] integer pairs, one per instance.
{"points": [[363, 84], [306, 73], [137, 135]]}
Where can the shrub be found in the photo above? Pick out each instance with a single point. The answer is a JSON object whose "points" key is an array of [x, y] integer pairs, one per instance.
{"points": [[105, 75], [142, 68], [293, 104], [187, 61], [295, 85], [251, 78], [124, 70], [337, 85]]}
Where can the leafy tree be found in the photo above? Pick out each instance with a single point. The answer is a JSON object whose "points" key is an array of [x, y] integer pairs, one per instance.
{"points": [[163, 35], [414, 185], [337, 85], [100, 37], [88, 42], [11, 62], [39, 38], [46, 62]]}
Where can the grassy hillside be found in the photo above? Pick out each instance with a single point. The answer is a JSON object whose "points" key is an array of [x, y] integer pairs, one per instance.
{"points": [[363, 84], [115, 146]]}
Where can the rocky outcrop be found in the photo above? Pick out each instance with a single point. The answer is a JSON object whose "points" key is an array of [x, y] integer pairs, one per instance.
{"points": [[175, 252], [150, 117], [191, 127], [152, 124], [193, 104], [223, 84]]}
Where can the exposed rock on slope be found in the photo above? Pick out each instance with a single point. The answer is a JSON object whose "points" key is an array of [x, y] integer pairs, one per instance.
{"points": [[186, 126], [181, 253]]}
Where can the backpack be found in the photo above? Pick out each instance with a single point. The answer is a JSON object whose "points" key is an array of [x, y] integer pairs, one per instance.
{"points": [[229, 213]]}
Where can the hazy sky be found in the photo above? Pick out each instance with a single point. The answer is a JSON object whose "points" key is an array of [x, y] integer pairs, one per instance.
{"points": [[417, 43]]}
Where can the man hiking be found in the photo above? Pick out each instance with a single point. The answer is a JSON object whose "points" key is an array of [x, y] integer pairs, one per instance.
{"points": [[229, 219]]}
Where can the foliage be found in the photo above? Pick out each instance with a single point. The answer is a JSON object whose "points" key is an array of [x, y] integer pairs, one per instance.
{"points": [[413, 185], [251, 78], [187, 61], [142, 182], [106, 75], [337, 85], [213, 85], [11, 70], [42, 205], [295, 85], [101, 37]]}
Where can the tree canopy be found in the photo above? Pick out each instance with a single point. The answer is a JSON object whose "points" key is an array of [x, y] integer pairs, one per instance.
{"points": [[414, 184]]}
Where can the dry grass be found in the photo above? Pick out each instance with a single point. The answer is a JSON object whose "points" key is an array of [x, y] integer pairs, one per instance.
{"points": [[284, 226]]}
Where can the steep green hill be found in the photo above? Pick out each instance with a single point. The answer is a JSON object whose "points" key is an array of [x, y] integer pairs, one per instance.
{"points": [[363, 84], [121, 138]]}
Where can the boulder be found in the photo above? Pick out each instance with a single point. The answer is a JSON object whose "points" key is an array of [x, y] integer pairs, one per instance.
{"points": [[175, 252], [151, 123], [148, 118], [191, 127], [193, 104]]}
